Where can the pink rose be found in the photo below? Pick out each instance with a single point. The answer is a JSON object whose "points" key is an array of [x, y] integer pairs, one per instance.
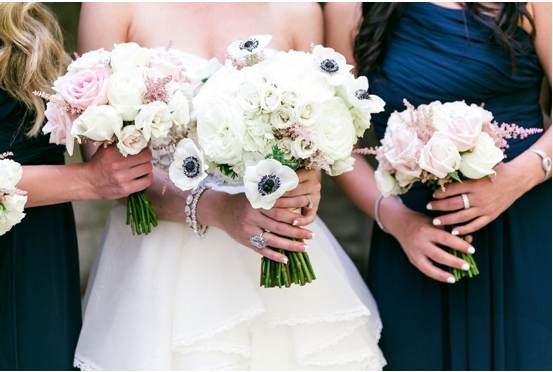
{"points": [[58, 125], [84, 87], [166, 63], [401, 148], [440, 156], [462, 123]]}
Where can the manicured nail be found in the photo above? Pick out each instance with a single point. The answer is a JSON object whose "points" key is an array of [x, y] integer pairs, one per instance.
{"points": [[455, 232], [451, 280], [466, 267], [305, 247], [429, 206], [471, 250], [434, 195], [295, 223], [436, 222], [284, 260], [312, 235]]}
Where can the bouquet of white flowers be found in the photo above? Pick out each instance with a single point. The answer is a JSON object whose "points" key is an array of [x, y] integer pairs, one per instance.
{"points": [[265, 114], [438, 144], [132, 97], [12, 200]]}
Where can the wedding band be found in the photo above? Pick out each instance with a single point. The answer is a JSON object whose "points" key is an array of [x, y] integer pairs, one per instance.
{"points": [[466, 202], [309, 202], [258, 241]]}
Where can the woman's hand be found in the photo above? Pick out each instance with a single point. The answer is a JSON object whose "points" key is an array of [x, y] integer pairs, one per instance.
{"points": [[306, 197], [113, 176], [488, 197], [238, 219], [423, 243]]}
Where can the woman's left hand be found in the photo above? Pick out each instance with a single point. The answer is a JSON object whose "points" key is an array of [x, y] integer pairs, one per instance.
{"points": [[488, 198], [306, 196]]}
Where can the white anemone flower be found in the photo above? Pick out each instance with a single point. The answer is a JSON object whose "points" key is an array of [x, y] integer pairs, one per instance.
{"points": [[267, 181], [250, 51], [188, 167], [357, 94], [332, 64]]}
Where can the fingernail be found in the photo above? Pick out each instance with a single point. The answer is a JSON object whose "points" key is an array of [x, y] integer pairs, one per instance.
{"points": [[455, 232], [434, 196], [436, 222], [305, 247], [295, 223], [429, 206], [451, 280], [284, 260], [471, 250], [465, 267]]}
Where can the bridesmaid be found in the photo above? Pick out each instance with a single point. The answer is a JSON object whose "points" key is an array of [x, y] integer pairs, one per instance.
{"points": [[492, 53], [40, 312]]}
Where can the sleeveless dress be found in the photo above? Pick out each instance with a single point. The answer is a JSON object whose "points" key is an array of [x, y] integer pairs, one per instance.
{"points": [[40, 309], [501, 319], [173, 301]]}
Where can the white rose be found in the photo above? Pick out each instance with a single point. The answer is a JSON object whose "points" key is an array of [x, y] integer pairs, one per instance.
{"points": [[10, 174], [188, 167], [97, 123], [386, 183], [90, 60], [129, 55], [11, 211], [126, 91], [440, 156], [342, 166], [282, 118], [268, 181], [332, 133], [480, 162], [248, 96], [270, 97], [259, 136], [180, 110], [154, 120], [131, 140], [220, 127]]}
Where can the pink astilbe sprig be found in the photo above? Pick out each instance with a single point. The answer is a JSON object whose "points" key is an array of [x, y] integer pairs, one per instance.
{"points": [[317, 161], [502, 133], [366, 151], [296, 131], [60, 102], [156, 89]]}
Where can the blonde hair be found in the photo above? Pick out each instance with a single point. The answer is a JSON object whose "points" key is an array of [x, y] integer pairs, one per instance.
{"points": [[31, 55]]}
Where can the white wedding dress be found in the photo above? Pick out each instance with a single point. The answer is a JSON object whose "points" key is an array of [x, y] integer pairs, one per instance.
{"points": [[173, 301]]}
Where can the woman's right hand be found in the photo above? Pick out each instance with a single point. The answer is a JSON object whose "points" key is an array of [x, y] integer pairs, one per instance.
{"points": [[113, 176], [422, 242], [241, 221]]}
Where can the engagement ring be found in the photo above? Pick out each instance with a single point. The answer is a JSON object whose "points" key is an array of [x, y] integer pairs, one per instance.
{"points": [[258, 241]]}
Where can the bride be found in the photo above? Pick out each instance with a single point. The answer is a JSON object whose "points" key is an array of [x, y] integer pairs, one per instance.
{"points": [[171, 300]]}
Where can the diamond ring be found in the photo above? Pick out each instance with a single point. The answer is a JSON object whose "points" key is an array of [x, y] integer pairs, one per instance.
{"points": [[466, 201], [258, 241]]}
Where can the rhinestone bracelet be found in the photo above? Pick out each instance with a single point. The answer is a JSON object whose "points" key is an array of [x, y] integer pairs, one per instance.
{"points": [[191, 211]]}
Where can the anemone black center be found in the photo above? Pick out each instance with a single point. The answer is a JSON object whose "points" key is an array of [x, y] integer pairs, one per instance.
{"points": [[191, 166], [329, 65], [362, 94], [268, 184], [249, 45]]}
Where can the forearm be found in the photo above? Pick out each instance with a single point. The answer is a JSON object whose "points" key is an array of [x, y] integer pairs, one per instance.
{"points": [[55, 184], [359, 185]]}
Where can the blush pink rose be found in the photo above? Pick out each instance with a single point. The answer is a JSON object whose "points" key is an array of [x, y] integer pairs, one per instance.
{"points": [[462, 123], [440, 156], [401, 148], [58, 125], [84, 87]]}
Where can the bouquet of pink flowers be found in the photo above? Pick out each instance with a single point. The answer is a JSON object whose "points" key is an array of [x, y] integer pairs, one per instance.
{"points": [[131, 97], [438, 144], [12, 200]]}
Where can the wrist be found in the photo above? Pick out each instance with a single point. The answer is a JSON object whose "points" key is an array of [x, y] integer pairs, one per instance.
{"points": [[211, 207], [526, 171], [391, 212], [86, 189]]}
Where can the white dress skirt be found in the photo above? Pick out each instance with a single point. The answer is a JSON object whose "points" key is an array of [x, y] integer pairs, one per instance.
{"points": [[173, 301]]}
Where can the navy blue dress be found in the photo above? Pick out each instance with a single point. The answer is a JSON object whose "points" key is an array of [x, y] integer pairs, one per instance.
{"points": [[40, 313], [500, 320]]}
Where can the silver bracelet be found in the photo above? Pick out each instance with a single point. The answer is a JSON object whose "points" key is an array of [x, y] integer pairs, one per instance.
{"points": [[545, 162], [191, 211], [377, 213]]}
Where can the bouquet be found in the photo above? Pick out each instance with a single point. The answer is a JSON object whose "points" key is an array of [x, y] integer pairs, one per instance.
{"points": [[12, 200], [440, 143], [132, 97], [265, 114]]}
